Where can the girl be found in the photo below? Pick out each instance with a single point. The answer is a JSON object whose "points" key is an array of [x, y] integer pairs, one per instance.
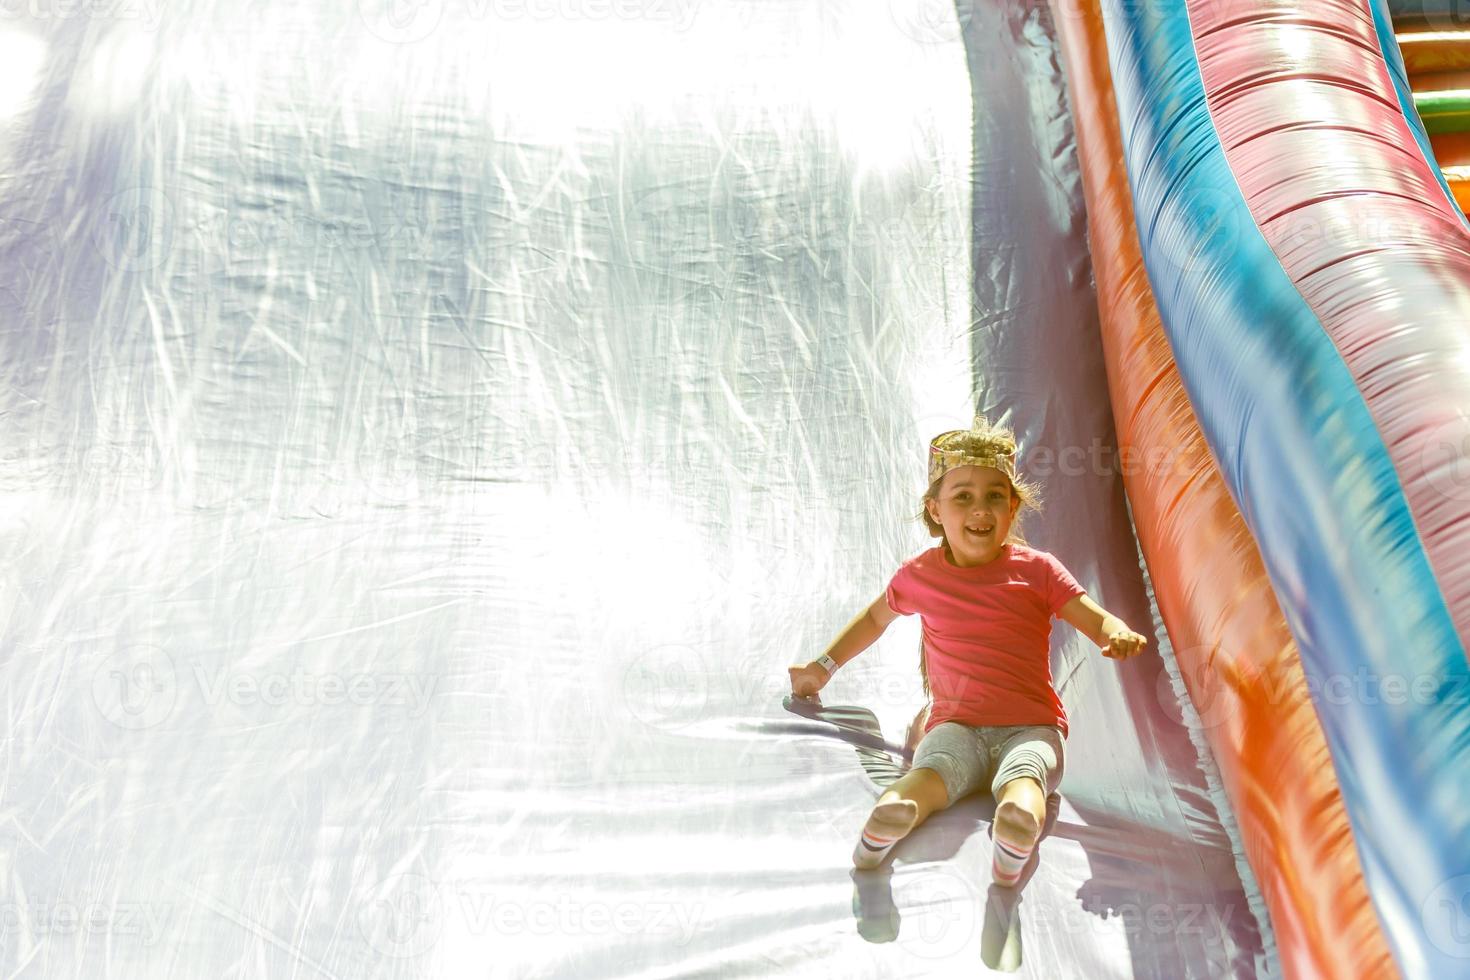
{"points": [[985, 601]]}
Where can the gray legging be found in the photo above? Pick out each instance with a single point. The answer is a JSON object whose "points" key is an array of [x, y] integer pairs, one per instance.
{"points": [[965, 756]]}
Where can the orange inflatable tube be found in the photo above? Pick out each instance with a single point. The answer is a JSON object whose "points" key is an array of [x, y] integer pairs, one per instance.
{"points": [[1452, 153], [1440, 81], [1459, 180], [1230, 638], [1429, 51]]}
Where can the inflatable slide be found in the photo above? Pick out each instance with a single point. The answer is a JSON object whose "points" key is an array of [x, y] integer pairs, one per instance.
{"points": [[1303, 326], [429, 432]]}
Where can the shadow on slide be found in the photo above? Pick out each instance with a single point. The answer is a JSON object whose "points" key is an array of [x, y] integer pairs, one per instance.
{"points": [[1115, 852]]}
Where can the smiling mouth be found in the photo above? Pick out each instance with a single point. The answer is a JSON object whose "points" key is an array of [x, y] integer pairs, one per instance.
{"points": [[979, 533]]}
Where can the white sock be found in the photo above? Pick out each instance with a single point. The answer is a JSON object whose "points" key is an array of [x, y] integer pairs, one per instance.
{"points": [[1008, 861], [888, 824]]}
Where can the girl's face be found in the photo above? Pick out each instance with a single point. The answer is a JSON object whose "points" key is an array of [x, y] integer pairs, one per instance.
{"points": [[975, 506]]}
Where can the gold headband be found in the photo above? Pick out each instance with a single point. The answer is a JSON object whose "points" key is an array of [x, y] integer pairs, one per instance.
{"points": [[942, 460]]}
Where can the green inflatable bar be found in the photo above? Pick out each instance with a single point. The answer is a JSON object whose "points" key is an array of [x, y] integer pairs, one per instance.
{"points": [[1444, 112]]}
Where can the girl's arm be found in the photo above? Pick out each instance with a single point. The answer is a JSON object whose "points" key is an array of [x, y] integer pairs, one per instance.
{"points": [[1102, 627], [860, 634]]}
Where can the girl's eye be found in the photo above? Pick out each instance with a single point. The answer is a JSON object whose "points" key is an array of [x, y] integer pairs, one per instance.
{"points": [[995, 496]]}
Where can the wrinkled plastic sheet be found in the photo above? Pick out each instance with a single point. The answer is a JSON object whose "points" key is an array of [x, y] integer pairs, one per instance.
{"points": [[427, 439]]}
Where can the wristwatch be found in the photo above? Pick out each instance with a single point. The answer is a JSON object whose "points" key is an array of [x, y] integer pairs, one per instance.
{"points": [[826, 663]]}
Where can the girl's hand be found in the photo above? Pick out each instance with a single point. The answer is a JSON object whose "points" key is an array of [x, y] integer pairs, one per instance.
{"points": [[807, 680], [1124, 644]]}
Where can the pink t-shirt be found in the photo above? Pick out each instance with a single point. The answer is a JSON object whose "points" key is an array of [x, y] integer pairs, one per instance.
{"points": [[987, 634]]}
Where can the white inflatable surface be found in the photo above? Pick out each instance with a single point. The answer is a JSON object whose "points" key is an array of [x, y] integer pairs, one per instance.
{"points": [[430, 432]]}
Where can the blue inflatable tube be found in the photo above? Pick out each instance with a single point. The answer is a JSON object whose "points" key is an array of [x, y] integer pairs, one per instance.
{"points": [[1313, 477]]}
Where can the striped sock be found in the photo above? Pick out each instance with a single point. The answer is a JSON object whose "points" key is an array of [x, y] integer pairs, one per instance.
{"points": [[1008, 858], [888, 824], [1008, 861]]}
